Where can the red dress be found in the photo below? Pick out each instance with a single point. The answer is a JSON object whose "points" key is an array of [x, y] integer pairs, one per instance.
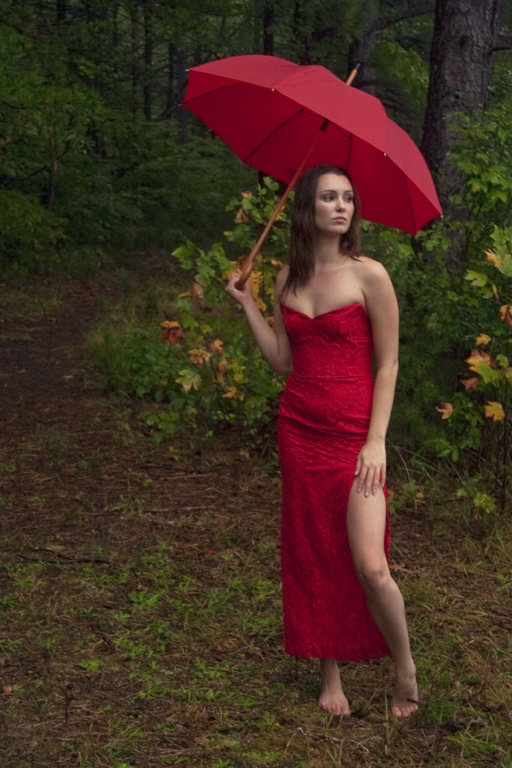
{"points": [[324, 418]]}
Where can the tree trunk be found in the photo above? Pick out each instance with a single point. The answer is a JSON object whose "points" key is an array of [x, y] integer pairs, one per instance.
{"points": [[461, 60], [61, 11], [169, 102], [268, 28], [181, 73], [134, 54], [148, 58], [361, 49]]}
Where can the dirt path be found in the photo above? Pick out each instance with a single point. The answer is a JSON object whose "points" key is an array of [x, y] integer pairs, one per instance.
{"points": [[140, 595]]}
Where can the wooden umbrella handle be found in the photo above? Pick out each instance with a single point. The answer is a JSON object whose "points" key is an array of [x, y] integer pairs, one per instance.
{"points": [[248, 264]]}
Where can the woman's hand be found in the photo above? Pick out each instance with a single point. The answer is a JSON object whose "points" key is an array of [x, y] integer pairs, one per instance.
{"points": [[371, 467], [244, 293]]}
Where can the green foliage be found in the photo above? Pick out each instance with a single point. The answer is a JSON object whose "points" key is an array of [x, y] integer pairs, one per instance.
{"points": [[28, 232], [207, 366], [484, 154]]}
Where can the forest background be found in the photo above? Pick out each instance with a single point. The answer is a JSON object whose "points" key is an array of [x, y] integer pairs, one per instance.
{"points": [[139, 490], [99, 158]]}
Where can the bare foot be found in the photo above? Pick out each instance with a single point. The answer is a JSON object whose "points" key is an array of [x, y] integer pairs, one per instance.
{"points": [[405, 698], [332, 698]]}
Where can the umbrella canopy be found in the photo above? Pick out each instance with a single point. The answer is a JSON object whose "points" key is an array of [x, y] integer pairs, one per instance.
{"points": [[270, 112]]}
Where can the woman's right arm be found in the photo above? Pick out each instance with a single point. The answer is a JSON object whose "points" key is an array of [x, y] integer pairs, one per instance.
{"points": [[273, 342]]}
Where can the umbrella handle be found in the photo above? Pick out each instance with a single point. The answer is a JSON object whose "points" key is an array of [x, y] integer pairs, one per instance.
{"points": [[248, 264]]}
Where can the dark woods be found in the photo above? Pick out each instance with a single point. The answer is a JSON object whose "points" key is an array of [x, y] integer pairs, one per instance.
{"points": [[99, 156]]}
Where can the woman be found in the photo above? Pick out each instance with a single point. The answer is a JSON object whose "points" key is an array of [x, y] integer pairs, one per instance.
{"points": [[333, 307]]}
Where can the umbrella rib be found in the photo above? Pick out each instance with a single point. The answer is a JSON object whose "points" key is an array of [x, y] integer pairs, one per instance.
{"points": [[201, 95], [410, 201], [349, 153]]}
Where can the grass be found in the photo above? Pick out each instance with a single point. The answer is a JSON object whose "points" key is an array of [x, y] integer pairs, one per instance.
{"points": [[170, 651], [141, 610]]}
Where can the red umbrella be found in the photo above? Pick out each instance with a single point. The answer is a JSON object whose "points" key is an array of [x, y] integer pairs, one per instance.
{"points": [[282, 118], [270, 112]]}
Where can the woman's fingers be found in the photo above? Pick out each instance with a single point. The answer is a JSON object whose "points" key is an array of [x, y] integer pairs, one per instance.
{"points": [[369, 479], [230, 286]]}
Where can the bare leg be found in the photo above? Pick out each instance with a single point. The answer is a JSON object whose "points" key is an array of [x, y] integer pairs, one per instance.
{"points": [[366, 519], [332, 698]]}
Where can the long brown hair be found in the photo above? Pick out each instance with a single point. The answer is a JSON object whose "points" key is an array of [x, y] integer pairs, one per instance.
{"points": [[302, 235]]}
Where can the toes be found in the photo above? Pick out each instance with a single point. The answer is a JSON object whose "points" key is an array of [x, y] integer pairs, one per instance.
{"points": [[403, 711]]}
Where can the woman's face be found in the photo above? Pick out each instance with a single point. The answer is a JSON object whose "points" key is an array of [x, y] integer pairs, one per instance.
{"points": [[334, 204]]}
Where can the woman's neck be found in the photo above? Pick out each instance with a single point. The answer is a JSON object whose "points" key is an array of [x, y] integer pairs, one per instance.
{"points": [[327, 252]]}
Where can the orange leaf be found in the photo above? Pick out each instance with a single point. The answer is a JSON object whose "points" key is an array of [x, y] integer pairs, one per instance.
{"points": [[446, 409], [195, 292], [478, 357], [506, 314], [495, 410], [222, 367], [483, 339], [241, 217], [216, 347], [470, 383], [199, 357], [172, 331]]}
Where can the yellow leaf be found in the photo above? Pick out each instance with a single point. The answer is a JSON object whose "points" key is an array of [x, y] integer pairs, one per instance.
{"points": [[231, 393], [446, 409], [277, 264], [493, 258], [228, 272], [247, 195], [483, 339], [495, 410], [495, 291]]}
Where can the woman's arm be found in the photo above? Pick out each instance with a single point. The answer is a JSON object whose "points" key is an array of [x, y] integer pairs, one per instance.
{"points": [[273, 342], [382, 309]]}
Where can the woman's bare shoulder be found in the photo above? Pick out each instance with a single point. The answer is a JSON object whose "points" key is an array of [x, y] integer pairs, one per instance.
{"points": [[282, 276], [373, 270]]}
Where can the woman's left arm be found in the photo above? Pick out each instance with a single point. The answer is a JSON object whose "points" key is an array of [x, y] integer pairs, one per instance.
{"points": [[382, 308]]}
